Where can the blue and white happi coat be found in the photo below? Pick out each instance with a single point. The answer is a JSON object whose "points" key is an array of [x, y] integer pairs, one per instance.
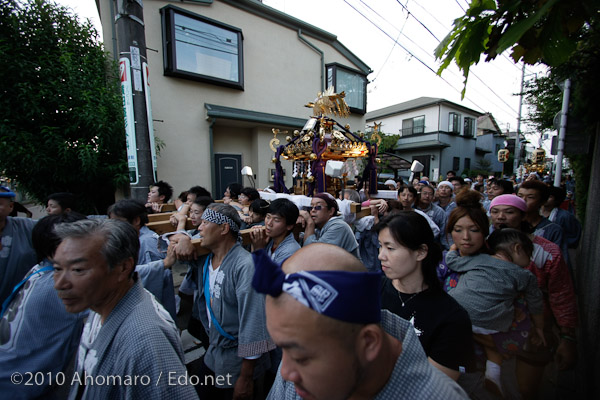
{"points": [[139, 344]]}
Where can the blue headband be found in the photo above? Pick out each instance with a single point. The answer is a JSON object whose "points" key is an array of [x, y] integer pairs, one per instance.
{"points": [[7, 193], [346, 296]]}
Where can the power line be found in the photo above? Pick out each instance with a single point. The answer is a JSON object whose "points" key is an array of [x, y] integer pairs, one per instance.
{"points": [[445, 27], [204, 40], [491, 90], [399, 44], [400, 33], [206, 47], [417, 19], [204, 35], [461, 7], [427, 52], [395, 41], [412, 54], [423, 63], [432, 16], [391, 50], [466, 3], [473, 73], [510, 60]]}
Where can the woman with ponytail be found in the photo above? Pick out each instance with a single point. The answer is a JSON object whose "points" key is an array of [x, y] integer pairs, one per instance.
{"points": [[409, 257]]}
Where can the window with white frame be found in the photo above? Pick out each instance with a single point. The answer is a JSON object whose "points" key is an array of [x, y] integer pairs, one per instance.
{"points": [[454, 122], [413, 126], [202, 49], [353, 83], [469, 127]]}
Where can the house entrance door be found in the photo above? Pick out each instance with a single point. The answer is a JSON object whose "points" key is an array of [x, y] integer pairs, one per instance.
{"points": [[228, 170]]}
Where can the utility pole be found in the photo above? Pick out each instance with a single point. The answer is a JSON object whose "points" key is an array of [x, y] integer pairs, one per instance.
{"points": [[518, 138], [135, 88], [562, 132]]}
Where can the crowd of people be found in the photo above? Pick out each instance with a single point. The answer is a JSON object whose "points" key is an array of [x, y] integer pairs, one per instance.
{"points": [[454, 289]]}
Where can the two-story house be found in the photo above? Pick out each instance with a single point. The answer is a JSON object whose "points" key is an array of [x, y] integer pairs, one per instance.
{"points": [[437, 132], [223, 73], [490, 139]]}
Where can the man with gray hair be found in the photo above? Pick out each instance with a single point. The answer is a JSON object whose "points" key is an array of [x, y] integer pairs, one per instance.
{"points": [[232, 313], [130, 346]]}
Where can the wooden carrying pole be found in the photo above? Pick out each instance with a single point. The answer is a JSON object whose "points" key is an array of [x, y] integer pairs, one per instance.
{"points": [[164, 226]]}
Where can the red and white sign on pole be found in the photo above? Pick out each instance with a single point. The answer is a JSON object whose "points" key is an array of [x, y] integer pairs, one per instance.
{"points": [[132, 162]]}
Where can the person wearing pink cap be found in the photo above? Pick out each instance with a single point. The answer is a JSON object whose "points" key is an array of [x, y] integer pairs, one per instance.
{"points": [[549, 266], [510, 199]]}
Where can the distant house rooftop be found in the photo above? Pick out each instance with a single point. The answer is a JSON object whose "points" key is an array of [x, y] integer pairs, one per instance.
{"points": [[487, 124], [415, 104]]}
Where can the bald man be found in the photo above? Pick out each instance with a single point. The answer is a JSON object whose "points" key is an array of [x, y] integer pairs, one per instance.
{"points": [[323, 310]]}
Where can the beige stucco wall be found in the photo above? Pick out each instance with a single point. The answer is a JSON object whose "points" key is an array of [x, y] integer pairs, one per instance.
{"points": [[281, 74]]}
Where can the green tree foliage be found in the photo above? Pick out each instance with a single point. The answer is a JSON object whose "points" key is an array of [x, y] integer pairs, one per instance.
{"points": [[546, 30], [583, 69], [545, 98], [388, 142], [61, 118], [483, 167], [563, 34]]}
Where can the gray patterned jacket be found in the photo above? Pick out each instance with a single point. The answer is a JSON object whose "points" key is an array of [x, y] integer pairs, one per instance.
{"points": [[488, 289], [134, 354], [413, 376], [335, 231], [285, 249], [240, 311]]}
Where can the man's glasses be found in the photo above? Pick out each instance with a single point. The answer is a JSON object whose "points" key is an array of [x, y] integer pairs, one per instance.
{"points": [[316, 208]]}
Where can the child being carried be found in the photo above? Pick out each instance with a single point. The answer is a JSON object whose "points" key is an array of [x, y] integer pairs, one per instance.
{"points": [[488, 288]]}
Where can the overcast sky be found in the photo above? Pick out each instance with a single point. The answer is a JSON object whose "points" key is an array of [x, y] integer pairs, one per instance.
{"points": [[396, 38]]}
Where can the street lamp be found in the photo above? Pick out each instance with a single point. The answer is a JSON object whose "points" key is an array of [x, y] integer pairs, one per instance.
{"points": [[247, 171], [518, 137], [562, 132]]}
